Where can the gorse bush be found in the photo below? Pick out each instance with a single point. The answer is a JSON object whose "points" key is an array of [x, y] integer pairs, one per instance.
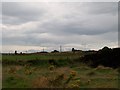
{"points": [[28, 72], [57, 81], [73, 73], [12, 70], [71, 76], [51, 68]]}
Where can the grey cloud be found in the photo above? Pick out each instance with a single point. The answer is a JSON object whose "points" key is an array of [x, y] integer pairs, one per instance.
{"points": [[101, 7], [66, 24], [17, 13], [91, 26]]}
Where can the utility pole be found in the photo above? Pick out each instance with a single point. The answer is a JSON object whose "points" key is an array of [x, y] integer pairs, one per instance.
{"points": [[84, 44], [26, 51], [60, 48], [85, 47]]}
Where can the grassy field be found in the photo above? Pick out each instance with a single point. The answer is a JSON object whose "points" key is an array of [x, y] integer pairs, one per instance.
{"points": [[68, 73], [43, 56]]}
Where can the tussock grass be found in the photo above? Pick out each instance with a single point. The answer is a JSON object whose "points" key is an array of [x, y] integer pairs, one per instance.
{"points": [[35, 71], [60, 77]]}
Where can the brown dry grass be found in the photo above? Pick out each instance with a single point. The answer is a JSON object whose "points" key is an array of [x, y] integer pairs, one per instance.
{"points": [[40, 82], [54, 79], [64, 70], [102, 67]]}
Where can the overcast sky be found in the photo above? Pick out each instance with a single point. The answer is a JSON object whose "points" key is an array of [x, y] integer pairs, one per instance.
{"points": [[33, 26]]}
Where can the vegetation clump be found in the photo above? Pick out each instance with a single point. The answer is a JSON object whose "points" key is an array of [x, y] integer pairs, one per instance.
{"points": [[51, 68], [96, 69]]}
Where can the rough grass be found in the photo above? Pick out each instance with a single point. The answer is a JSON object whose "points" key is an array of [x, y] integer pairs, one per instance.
{"points": [[46, 56], [34, 71], [41, 77], [0, 75], [41, 59]]}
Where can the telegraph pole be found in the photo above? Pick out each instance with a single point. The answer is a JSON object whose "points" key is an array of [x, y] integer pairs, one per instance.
{"points": [[43, 49], [60, 48]]}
